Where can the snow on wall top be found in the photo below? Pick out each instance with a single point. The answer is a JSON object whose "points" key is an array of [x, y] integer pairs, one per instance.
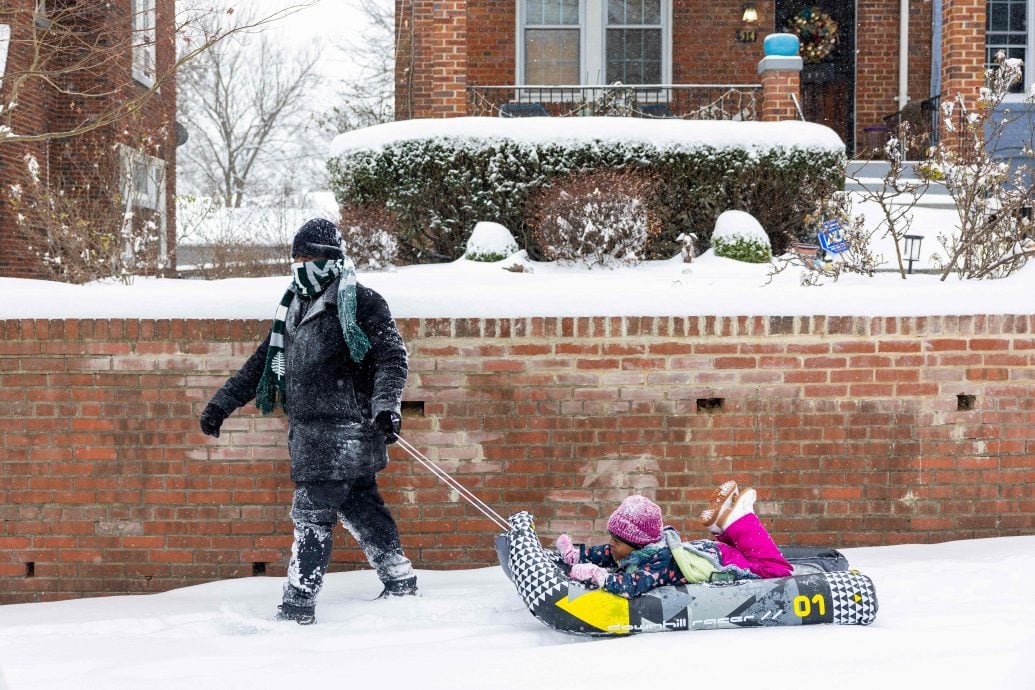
{"points": [[669, 133]]}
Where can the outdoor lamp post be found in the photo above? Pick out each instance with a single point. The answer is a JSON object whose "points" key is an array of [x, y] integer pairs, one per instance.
{"points": [[912, 249]]}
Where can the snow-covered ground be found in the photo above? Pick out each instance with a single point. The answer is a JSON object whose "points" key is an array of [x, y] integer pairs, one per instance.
{"points": [[709, 286], [953, 615]]}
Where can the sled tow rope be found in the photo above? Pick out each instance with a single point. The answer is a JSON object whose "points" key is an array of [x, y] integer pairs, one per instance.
{"points": [[478, 503]]}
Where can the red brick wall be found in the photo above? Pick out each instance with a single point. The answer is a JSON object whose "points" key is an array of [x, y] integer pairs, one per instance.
{"points": [[491, 36], [963, 49], [849, 427], [779, 89], [29, 116], [877, 59], [704, 50], [431, 59], [704, 45], [68, 163]]}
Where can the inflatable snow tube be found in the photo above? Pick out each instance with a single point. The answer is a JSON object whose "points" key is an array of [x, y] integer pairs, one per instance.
{"points": [[846, 597]]}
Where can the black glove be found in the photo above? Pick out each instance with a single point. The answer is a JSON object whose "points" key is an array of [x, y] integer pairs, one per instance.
{"points": [[211, 419], [389, 423]]}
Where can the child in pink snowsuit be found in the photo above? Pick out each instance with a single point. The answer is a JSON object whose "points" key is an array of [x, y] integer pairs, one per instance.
{"points": [[642, 555]]}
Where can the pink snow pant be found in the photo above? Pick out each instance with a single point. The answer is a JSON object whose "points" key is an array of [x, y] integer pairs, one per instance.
{"points": [[747, 544]]}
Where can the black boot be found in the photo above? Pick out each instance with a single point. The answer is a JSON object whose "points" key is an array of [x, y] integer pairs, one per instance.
{"points": [[303, 615], [400, 588]]}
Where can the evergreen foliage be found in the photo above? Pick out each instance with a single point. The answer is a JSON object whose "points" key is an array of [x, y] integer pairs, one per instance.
{"points": [[742, 249], [438, 188]]}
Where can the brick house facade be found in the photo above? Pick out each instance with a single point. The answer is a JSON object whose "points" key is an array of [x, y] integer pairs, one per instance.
{"points": [[139, 33], [446, 48]]}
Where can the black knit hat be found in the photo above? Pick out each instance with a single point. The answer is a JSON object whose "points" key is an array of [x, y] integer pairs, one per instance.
{"points": [[318, 238]]}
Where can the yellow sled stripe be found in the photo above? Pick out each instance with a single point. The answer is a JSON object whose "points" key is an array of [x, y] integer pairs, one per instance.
{"points": [[602, 610]]}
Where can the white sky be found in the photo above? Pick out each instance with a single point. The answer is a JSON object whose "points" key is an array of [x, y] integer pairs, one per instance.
{"points": [[952, 616], [329, 22]]}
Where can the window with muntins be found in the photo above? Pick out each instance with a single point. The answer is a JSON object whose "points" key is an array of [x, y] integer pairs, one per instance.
{"points": [[144, 39], [1006, 29], [143, 195], [552, 37], [634, 41], [593, 42]]}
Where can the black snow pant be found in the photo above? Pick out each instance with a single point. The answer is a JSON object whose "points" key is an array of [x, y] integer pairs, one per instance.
{"points": [[315, 509]]}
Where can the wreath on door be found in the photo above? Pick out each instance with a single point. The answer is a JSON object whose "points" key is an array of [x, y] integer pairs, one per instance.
{"points": [[817, 32]]}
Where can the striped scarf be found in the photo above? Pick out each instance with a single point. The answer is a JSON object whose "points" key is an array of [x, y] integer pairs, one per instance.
{"points": [[310, 279]]}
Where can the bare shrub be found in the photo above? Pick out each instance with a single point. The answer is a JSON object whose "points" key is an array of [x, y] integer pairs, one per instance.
{"points": [[896, 195], [369, 232], [600, 218], [994, 235], [103, 221], [219, 242], [856, 256]]}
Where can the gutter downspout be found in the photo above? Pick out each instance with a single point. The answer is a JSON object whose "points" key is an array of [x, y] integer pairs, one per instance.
{"points": [[903, 53], [936, 47]]}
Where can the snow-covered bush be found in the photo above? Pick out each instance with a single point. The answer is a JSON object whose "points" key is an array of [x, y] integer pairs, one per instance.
{"points": [[597, 218], [369, 236], [439, 185], [490, 242], [739, 236], [993, 236]]}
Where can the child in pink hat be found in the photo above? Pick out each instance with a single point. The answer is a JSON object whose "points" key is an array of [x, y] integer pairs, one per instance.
{"points": [[642, 554]]}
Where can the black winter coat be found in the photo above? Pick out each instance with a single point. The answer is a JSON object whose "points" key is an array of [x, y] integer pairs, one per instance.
{"points": [[330, 400]]}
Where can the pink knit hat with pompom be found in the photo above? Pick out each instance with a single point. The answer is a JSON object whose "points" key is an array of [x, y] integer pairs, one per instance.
{"points": [[636, 521]]}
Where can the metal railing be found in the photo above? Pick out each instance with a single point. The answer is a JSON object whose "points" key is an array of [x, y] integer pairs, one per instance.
{"points": [[659, 101], [923, 118]]}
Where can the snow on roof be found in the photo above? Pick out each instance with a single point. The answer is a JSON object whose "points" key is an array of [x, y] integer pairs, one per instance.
{"points": [[668, 133]]}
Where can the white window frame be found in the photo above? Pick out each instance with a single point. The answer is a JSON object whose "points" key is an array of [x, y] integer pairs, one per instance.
{"points": [[1028, 74], [145, 40], [142, 185], [592, 43], [5, 44]]}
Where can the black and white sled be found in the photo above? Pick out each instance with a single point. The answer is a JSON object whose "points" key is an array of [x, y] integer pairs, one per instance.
{"points": [[823, 590]]}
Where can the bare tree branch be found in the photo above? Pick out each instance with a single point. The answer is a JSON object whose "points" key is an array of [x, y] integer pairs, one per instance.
{"points": [[367, 97], [74, 47], [244, 119]]}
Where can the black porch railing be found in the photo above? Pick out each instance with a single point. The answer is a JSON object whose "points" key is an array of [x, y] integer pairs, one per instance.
{"points": [[923, 118], [684, 101]]}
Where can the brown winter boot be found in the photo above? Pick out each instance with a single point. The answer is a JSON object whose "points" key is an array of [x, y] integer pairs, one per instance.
{"points": [[719, 506], [743, 504]]}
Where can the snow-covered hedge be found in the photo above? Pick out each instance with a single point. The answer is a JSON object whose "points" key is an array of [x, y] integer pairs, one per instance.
{"points": [[439, 177]]}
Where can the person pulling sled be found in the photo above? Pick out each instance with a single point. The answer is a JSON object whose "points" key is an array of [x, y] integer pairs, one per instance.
{"points": [[336, 363]]}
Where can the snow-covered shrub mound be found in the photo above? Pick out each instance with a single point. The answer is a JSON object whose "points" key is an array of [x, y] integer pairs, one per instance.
{"points": [[597, 218], [490, 242], [739, 236], [369, 236], [440, 177]]}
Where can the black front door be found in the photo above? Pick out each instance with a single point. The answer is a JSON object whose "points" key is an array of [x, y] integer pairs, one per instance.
{"points": [[827, 30]]}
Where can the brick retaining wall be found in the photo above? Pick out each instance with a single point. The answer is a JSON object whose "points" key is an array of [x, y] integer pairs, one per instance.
{"points": [[857, 431]]}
